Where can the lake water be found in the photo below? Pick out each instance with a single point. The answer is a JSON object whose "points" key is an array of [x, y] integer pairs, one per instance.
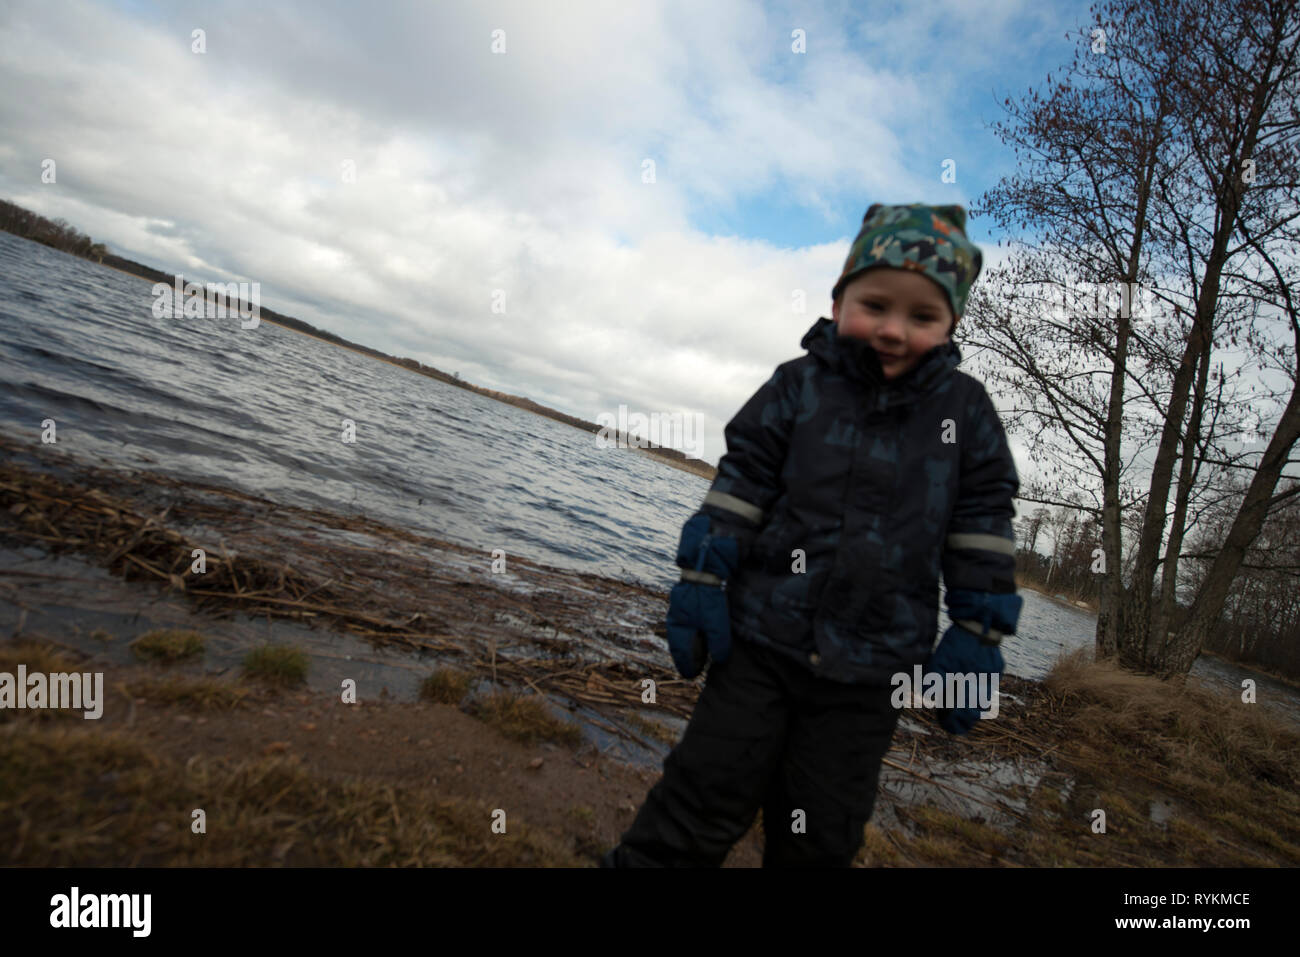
{"points": [[263, 410]]}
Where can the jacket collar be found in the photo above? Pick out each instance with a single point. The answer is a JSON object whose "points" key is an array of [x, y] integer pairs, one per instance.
{"points": [[862, 364]]}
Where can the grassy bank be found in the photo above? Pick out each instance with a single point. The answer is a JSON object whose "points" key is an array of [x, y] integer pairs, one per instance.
{"points": [[287, 777], [201, 770]]}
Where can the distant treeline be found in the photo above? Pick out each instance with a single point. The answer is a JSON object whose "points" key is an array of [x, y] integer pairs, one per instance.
{"points": [[58, 234], [1260, 624]]}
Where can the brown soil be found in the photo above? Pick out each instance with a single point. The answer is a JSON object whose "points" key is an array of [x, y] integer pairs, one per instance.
{"points": [[579, 797]]}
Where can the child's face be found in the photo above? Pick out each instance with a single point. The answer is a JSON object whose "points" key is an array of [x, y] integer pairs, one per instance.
{"points": [[901, 314]]}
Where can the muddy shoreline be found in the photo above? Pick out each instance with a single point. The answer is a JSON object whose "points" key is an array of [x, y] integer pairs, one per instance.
{"points": [[92, 558]]}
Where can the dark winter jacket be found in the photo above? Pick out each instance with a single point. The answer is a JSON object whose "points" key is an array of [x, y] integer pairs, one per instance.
{"points": [[850, 495]]}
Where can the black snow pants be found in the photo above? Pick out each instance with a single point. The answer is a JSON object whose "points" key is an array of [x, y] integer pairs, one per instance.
{"points": [[766, 732]]}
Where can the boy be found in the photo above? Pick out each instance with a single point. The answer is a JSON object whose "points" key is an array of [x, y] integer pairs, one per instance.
{"points": [[852, 478]]}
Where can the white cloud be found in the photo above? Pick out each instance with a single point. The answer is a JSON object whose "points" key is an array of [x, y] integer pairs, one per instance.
{"points": [[476, 171]]}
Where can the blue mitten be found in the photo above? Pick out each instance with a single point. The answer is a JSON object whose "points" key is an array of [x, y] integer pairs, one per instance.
{"points": [[989, 615], [970, 645], [706, 548], [961, 653], [698, 625]]}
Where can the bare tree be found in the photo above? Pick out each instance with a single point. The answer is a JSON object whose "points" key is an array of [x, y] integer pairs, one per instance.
{"points": [[1237, 111], [1139, 177]]}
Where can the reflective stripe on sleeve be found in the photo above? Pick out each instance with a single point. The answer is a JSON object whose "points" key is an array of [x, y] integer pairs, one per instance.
{"points": [[994, 637], [733, 504], [987, 543], [704, 578]]}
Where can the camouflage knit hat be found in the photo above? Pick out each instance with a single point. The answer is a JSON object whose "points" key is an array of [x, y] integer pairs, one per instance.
{"points": [[927, 239]]}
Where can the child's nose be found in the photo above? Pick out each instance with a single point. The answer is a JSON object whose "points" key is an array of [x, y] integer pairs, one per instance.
{"points": [[891, 327]]}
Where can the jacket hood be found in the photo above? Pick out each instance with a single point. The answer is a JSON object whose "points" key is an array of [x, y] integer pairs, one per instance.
{"points": [[855, 358]]}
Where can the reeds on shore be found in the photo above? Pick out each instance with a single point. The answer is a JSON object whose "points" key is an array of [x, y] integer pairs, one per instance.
{"points": [[1182, 775]]}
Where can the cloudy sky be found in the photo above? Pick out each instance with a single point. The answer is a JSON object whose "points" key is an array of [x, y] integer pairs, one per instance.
{"points": [[522, 169]]}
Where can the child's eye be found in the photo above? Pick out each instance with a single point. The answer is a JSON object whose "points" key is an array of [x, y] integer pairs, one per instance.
{"points": [[923, 316]]}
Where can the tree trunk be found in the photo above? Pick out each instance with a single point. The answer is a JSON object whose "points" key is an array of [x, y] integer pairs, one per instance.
{"points": [[1228, 196], [1158, 637], [1208, 606], [1111, 603]]}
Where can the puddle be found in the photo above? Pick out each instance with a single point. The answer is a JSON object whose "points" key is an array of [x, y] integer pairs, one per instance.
{"points": [[995, 791], [72, 600], [73, 603]]}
